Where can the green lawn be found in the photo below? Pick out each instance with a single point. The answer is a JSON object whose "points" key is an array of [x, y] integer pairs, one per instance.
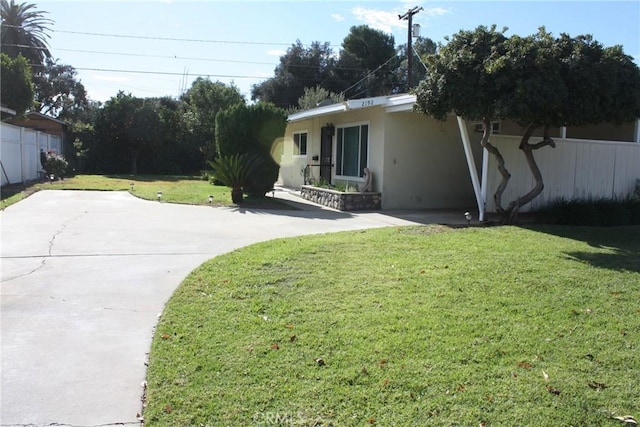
{"points": [[179, 189], [411, 326]]}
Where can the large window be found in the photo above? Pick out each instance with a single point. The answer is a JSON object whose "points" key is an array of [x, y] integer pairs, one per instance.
{"points": [[300, 144], [352, 150]]}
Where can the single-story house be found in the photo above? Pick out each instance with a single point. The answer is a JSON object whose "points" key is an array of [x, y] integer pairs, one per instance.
{"points": [[418, 162]]}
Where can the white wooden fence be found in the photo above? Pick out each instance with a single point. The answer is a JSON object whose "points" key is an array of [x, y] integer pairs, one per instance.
{"points": [[20, 152], [574, 169]]}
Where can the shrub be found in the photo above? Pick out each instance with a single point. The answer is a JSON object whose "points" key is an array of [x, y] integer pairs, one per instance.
{"points": [[235, 171], [55, 164], [253, 130]]}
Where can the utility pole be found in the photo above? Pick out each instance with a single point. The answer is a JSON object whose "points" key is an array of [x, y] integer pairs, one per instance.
{"points": [[409, 17]]}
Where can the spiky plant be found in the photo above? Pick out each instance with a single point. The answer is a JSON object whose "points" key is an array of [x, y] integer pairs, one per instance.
{"points": [[235, 171]]}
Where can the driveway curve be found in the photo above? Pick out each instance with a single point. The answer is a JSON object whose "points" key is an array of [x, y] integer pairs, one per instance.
{"points": [[84, 276]]}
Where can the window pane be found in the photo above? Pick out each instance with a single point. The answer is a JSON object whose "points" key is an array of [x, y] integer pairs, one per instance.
{"points": [[364, 148], [296, 144], [339, 152], [351, 151], [303, 144]]}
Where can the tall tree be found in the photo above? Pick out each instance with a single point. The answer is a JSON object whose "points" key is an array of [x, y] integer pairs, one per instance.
{"points": [[202, 102], [57, 90], [537, 81], [24, 32], [368, 61], [16, 85], [127, 128], [298, 69]]}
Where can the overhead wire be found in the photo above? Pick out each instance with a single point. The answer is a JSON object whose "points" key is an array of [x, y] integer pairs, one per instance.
{"points": [[166, 73], [142, 55], [419, 58], [129, 36], [366, 77], [185, 58]]}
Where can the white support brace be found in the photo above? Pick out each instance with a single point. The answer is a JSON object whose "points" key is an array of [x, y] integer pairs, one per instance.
{"points": [[466, 143]]}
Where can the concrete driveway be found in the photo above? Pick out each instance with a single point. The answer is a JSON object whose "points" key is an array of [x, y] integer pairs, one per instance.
{"points": [[85, 276]]}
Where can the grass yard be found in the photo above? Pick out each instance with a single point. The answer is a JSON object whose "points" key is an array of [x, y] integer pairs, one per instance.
{"points": [[411, 326], [178, 189]]}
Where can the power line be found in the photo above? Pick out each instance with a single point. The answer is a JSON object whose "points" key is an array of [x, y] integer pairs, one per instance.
{"points": [[420, 59], [367, 76], [165, 73], [142, 55], [127, 36], [166, 57]]}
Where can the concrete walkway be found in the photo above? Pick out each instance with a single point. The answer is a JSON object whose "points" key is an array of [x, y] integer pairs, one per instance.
{"points": [[84, 276]]}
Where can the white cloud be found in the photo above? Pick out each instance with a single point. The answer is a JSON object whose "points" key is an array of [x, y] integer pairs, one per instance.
{"points": [[337, 17], [387, 21], [379, 19], [436, 11], [276, 52]]}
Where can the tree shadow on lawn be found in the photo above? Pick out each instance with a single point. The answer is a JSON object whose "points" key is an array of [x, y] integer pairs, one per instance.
{"points": [[154, 178], [623, 244]]}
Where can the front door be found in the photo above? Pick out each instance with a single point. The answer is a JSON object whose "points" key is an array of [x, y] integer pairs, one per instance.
{"points": [[326, 153]]}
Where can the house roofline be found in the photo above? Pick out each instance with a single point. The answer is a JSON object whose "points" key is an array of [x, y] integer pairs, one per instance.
{"points": [[392, 104], [7, 110], [44, 116]]}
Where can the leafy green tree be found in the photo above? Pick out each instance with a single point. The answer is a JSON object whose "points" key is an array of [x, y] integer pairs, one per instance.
{"points": [[299, 68], [24, 32], [368, 61], [57, 89], [82, 154], [175, 152], [127, 127], [202, 102], [15, 85], [254, 130], [537, 81], [314, 96]]}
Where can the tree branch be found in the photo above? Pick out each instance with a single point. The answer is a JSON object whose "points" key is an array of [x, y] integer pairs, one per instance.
{"points": [[497, 196]]}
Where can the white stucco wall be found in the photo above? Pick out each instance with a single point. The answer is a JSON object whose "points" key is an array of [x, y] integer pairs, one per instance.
{"points": [[425, 166]]}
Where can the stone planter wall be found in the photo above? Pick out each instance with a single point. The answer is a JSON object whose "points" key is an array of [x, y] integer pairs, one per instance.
{"points": [[341, 200]]}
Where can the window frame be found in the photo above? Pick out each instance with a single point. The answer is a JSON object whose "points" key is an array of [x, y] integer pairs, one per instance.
{"points": [[296, 144], [339, 161], [496, 127]]}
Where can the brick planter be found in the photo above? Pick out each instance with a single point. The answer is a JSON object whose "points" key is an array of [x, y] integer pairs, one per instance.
{"points": [[344, 201]]}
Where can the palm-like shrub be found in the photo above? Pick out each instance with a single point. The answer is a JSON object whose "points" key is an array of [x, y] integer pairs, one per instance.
{"points": [[235, 171]]}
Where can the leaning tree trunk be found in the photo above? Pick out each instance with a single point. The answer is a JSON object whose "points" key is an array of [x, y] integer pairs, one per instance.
{"points": [[497, 196], [514, 207]]}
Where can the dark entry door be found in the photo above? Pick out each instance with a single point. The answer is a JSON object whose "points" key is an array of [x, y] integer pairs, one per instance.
{"points": [[326, 152]]}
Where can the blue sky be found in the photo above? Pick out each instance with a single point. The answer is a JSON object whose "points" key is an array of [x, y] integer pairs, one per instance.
{"points": [[241, 41]]}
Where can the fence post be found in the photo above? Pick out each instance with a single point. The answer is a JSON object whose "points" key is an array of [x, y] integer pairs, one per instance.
{"points": [[22, 159]]}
